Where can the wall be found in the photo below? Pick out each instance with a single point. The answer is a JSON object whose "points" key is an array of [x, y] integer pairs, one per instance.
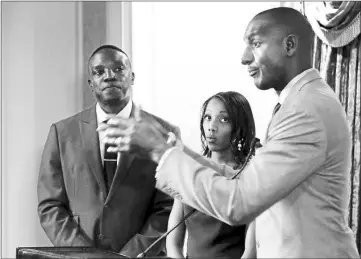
{"points": [[39, 75], [184, 52], [45, 47]]}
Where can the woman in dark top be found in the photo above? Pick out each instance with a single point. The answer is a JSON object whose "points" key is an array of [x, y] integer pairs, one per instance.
{"points": [[227, 129]]}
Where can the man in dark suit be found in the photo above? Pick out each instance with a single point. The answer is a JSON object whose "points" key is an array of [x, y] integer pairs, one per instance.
{"points": [[87, 197]]}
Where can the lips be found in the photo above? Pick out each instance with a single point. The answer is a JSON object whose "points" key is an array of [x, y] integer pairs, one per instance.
{"points": [[252, 72], [211, 139], [111, 86]]}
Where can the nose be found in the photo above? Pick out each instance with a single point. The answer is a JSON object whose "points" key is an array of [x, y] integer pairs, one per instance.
{"points": [[247, 56], [212, 126], [109, 74]]}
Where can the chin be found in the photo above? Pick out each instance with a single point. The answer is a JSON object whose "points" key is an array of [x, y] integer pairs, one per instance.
{"points": [[214, 148], [113, 101], [115, 94], [262, 87]]}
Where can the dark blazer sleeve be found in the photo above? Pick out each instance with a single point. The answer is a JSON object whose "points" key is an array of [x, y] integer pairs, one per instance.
{"points": [[53, 205], [154, 227]]}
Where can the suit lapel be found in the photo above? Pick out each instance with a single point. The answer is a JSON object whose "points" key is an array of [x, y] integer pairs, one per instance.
{"points": [[309, 77], [121, 172], [90, 141], [303, 81]]}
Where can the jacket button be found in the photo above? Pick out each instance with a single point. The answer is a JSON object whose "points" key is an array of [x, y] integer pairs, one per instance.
{"points": [[106, 206], [100, 236]]}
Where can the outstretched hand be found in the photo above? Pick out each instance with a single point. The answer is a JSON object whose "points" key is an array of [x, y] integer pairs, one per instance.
{"points": [[145, 136]]}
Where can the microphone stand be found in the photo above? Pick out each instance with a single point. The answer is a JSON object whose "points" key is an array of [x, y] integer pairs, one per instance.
{"points": [[248, 158]]}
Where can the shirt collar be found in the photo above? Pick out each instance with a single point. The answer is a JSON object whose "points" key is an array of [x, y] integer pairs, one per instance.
{"points": [[103, 116], [285, 92]]}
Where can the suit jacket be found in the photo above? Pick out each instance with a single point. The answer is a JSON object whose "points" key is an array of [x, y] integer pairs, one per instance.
{"points": [[297, 185], [74, 207]]}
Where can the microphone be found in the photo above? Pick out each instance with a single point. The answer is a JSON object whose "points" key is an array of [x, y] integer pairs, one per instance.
{"points": [[254, 143], [144, 253]]}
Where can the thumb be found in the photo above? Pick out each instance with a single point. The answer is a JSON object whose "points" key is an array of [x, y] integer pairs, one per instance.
{"points": [[137, 116], [156, 124]]}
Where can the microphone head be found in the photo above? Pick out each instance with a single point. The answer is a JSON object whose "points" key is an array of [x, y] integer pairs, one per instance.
{"points": [[254, 142]]}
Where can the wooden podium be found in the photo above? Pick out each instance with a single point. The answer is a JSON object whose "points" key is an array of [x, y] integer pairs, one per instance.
{"points": [[67, 253]]}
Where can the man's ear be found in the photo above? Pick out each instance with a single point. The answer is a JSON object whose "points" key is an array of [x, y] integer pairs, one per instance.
{"points": [[90, 84], [291, 44], [133, 77]]}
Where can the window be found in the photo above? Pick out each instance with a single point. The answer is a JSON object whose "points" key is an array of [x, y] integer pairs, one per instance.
{"points": [[184, 52]]}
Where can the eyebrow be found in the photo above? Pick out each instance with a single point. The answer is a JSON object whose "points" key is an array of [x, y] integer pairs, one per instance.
{"points": [[252, 35], [115, 63], [219, 112]]}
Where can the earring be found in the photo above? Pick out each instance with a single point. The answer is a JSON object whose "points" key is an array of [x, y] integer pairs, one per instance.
{"points": [[236, 145], [239, 146]]}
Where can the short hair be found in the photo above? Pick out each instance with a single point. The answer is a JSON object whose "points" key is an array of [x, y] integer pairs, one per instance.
{"points": [[241, 118], [292, 19], [106, 47]]}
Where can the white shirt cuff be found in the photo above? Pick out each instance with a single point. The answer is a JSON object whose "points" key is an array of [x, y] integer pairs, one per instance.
{"points": [[162, 159], [172, 139]]}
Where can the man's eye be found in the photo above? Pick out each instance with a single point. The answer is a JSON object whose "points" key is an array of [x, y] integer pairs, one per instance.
{"points": [[118, 69], [256, 44], [98, 72]]}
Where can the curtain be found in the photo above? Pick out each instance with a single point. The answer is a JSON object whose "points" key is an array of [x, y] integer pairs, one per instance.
{"points": [[337, 55]]}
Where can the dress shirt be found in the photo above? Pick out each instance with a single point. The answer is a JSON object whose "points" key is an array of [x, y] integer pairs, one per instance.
{"points": [[103, 116]]}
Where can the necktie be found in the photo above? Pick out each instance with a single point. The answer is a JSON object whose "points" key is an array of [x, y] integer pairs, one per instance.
{"points": [[275, 110], [110, 165]]}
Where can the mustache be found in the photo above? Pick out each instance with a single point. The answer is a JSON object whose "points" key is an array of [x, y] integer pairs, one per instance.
{"points": [[109, 80], [112, 82]]}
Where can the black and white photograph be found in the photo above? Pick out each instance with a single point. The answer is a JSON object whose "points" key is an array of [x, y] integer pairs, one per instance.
{"points": [[161, 129]]}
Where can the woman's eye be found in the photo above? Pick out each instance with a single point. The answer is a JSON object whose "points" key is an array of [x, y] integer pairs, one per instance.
{"points": [[207, 117], [225, 120]]}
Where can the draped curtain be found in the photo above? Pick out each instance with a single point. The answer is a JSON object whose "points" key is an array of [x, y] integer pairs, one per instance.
{"points": [[337, 55]]}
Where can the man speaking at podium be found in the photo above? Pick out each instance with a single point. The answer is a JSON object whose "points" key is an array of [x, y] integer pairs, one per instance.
{"points": [[88, 196], [296, 186]]}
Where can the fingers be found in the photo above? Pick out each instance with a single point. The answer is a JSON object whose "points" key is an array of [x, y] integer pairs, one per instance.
{"points": [[118, 137], [121, 144], [102, 127], [152, 122], [113, 132], [120, 122], [172, 139], [116, 122]]}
